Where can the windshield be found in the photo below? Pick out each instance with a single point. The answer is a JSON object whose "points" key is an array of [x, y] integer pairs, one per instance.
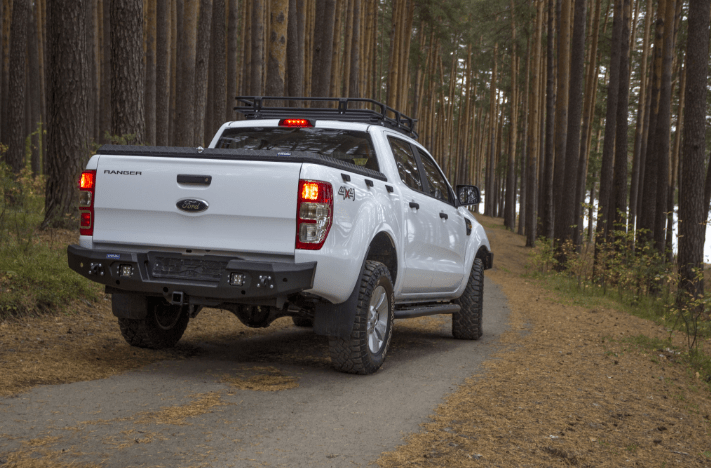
{"points": [[347, 145]]}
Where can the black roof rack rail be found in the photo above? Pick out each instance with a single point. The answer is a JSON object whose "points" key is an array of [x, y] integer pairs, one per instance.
{"points": [[253, 108]]}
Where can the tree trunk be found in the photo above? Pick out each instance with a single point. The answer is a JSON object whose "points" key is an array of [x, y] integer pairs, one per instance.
{"points": [[647, 212], [185, 98], [218, 68], [127, 69], [323, 51], [353, 90], [692, 213], [15, 156], [663, 128], [608, 154], [201, 69], [150, 82], [295, 48], [639, 128], [522, 217], [533, 143], [276, 63], [105, 94], [561, 111], [5, 96], [257, 40], [33, 94], [489, 205], [510, 207], [547, 179], [67, 74], [163, 33], [617, 213], [232, 57]]}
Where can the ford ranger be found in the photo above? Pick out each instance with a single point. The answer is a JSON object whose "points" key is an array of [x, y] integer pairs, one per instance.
{"points": [[335, 216]]}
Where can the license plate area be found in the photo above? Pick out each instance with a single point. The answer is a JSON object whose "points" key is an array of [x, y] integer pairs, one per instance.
{"points": [[180, 267]]}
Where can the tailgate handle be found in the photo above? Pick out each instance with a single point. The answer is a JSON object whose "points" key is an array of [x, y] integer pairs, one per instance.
{"points": [[194, 179]]}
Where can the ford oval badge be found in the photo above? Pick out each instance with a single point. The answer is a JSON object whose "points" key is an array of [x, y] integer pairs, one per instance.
{"points": [[192, 205]]}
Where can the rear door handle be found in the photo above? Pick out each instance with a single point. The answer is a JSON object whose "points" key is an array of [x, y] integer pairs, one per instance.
{"points": [[414, 205], [443, 215]]}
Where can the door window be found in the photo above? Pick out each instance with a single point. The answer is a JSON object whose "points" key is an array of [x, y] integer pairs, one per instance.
{"points": [[438, 186], [406, 163]]}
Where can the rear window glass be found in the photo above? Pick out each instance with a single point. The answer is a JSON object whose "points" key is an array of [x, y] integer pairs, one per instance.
{"points": [[347, 145]]}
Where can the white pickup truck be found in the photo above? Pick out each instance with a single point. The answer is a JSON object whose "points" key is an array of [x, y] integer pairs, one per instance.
{"points": [[336, 217]]}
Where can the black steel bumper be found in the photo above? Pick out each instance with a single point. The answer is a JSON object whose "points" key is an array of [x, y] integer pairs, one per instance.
{"points": [[187, 279]]}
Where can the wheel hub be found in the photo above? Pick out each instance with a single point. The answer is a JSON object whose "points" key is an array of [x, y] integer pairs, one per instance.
{"points": [[378, 311]]}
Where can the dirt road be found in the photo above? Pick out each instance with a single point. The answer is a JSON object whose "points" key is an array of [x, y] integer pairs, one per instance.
{"points": [[268, 399]]}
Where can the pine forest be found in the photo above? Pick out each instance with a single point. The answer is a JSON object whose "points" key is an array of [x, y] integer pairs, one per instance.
{"points": [[583, 121]]}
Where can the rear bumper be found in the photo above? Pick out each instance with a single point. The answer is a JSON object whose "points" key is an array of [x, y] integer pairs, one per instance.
{"points": [[203, 280]]}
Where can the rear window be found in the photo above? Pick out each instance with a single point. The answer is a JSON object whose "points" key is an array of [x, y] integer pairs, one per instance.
{"points": [[347, 145]]}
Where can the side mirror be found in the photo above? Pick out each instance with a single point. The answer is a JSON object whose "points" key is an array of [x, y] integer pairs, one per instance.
{"points": [[468, 195]]}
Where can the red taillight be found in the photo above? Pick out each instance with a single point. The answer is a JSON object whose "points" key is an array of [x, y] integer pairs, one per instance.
{"points": [[314, 213], [88, 180], [87, 185], [295, 123]]}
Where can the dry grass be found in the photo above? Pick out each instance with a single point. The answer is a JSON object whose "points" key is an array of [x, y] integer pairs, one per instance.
{"points": [[263, 379], [35, 454], [572, 392], [177, 414]]}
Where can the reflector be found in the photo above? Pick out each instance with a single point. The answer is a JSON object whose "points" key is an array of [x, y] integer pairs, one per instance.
{"points": [[85, 219]]}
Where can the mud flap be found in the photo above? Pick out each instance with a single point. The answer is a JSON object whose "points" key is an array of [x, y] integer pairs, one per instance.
{"points": [[128, 305], [336, 320]]}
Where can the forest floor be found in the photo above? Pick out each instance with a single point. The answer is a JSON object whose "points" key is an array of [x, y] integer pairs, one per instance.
{"points": [[572, 385], [582, 386]]}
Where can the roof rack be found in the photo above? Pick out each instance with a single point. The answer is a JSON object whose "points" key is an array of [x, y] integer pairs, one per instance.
{"points": [[254, 108]]}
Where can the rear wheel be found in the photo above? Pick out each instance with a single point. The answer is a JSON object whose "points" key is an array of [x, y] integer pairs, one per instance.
{"points": [[365, 350], [467, 323], [163, 326], [302, 321]]}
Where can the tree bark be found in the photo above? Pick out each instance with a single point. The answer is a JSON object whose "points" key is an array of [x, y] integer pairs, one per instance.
{"points": [[276, 63], [510, 207], [295, 48], [692, 212], [608, 154], [257, 40], [323, 51], [218, 68], [231, 77], [354, 69], [639, 128], [185, 97], [15, 156], [67, 73], [547, 179], [617, 213], [163, 34], [561, 111], [150, 64], [565, 219], [127, 69], [663, 129], [105, 93], [533, 143], [202, 60]]}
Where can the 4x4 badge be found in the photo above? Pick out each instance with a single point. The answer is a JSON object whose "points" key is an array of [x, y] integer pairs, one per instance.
{"points": [[346, 193], [192, 205]]}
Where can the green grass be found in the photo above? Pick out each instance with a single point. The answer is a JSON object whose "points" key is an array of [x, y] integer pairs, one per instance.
{"points": [[34, 276]]}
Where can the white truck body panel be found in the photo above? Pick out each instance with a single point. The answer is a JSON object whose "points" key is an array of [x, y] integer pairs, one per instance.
{"points": [[252, 210]]}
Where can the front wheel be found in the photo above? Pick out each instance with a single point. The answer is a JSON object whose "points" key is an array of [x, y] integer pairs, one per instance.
{"points": [[467, 323], [163, 326], [365, 350]]}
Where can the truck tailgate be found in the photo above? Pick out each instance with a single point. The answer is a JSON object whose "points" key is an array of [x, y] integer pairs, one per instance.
{"points": [[251, 204]]}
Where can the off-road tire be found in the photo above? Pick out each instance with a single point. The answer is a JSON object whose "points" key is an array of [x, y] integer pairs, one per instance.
{"points": [[467, 323], [303, 321], [163, 326], [353, 354]]}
